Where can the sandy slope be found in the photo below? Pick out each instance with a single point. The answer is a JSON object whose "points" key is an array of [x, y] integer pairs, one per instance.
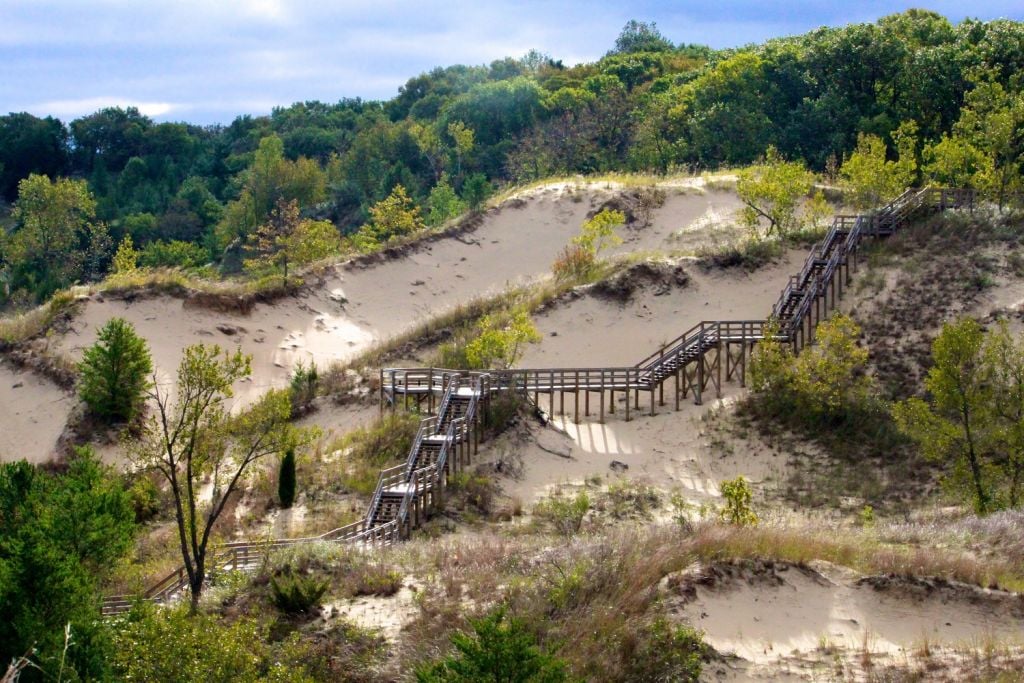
{"points": [[32, 415], [790, 618]]}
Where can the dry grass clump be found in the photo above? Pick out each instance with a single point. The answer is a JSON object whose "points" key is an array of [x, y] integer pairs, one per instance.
{"points": [[365, 450], [25, 326]]}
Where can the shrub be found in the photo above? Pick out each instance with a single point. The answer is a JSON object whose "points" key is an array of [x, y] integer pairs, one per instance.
{"points": [[286, 480], [173, 254], [375, 579], [297, 593], [574, 263], [115, 372], [737, 509], [500, 649], [564, 514], [145, 499], [668, 652], [500, 341], [303, 387]]}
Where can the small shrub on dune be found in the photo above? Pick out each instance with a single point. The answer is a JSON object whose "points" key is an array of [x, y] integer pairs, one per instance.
{"points": [[297, 593]]}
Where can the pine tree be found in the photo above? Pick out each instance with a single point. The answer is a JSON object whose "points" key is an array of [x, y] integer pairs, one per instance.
{"points": [[286, 480], [114, 372]]}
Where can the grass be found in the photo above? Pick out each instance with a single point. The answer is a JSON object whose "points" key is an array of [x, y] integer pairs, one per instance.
{"points": [[36, 322]]}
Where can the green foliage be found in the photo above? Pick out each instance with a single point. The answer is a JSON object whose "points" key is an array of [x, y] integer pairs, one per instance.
{"points": [[173, 254], [499, 339], [668, 652], [738, 497], [443, 203], [476, 190], [57, 240], [772, 191], [871, 178], [564, 514], [578, 260], [303, 387], [295, 593], [114, 372], [640, 36], [286, 479], [126, 258], [971, 422], [825, 382], [500, 650], [196, 438], [60, 535], [285, 240], [154, 644], [395, 216]]}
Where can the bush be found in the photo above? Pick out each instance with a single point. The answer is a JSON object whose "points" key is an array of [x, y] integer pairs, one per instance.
{"points": [[564, 514], [668, 652], [500, 649], [173, 254], [286, 480], [574, 263], [115, 372], [296, 593], [303, 388], [737, 509], [145, 499]]}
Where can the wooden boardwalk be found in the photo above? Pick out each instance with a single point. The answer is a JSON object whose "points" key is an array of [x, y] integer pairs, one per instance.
{"points": [[699, 360]]}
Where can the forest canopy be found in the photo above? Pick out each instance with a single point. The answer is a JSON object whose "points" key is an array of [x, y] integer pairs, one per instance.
{"points": [[452, 135]]}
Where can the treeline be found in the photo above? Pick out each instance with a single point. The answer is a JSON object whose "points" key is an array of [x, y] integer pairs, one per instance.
{"points": [[186, 193]]}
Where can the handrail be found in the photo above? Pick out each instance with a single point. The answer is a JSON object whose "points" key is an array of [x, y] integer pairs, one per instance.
{"points": [[791, 310]]}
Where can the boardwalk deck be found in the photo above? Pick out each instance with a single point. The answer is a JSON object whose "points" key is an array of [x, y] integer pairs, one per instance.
{"points": [[703, 357]]}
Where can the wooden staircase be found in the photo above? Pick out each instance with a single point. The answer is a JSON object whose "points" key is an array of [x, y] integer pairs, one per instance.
{"points": [[700, 358]]}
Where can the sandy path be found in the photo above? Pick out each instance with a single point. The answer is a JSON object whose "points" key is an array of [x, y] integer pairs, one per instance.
{"points": [[33, 412]]}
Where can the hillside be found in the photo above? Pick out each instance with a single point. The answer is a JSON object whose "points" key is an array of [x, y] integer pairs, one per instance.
{"points": [[469, 412]]}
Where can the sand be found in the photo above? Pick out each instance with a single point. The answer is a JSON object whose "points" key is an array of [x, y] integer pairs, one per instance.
{"points": [[785, 615], [33, 412]]}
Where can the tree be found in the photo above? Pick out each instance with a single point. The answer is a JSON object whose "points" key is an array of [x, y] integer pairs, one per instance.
{"points": [[737, 509], [1003, 357], [394, 216], [462, 136], [500, 650], [598, 232], [126, 258], [57, 240], [114, 372], [640, 36], [772, 190], [195, 437], [30, 145], [872, 179], [60, 537], [954, 427], [825, 382], [992, 122], [285, 240], [443, 203], [500, 339], [286, 479]]}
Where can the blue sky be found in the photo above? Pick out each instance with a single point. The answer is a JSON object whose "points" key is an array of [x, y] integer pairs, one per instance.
{"points": [[206, 61]]}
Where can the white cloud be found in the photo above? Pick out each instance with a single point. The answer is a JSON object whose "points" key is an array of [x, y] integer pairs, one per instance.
{"points": [[88, 105]]}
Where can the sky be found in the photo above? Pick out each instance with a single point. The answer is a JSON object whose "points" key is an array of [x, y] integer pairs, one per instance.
{"points": [[208, 61]]}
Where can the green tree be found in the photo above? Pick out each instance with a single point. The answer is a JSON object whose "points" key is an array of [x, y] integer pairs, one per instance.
{"points": [[285, 240], [270, 178], [641, 36], [872, 179], [500, 339], [1003, 357], [60, 537], [195, 436], [992, 122], [126, 258], [598, 232], [500, 650], [57, 240], [394, 216], [772, 191], [443, 202], [955, 426], [114, 372], [286, 479], [738, 497], [463, 137]]}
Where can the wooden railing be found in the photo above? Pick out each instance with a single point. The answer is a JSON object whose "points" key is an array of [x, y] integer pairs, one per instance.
{"points": [[683, 358]]}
